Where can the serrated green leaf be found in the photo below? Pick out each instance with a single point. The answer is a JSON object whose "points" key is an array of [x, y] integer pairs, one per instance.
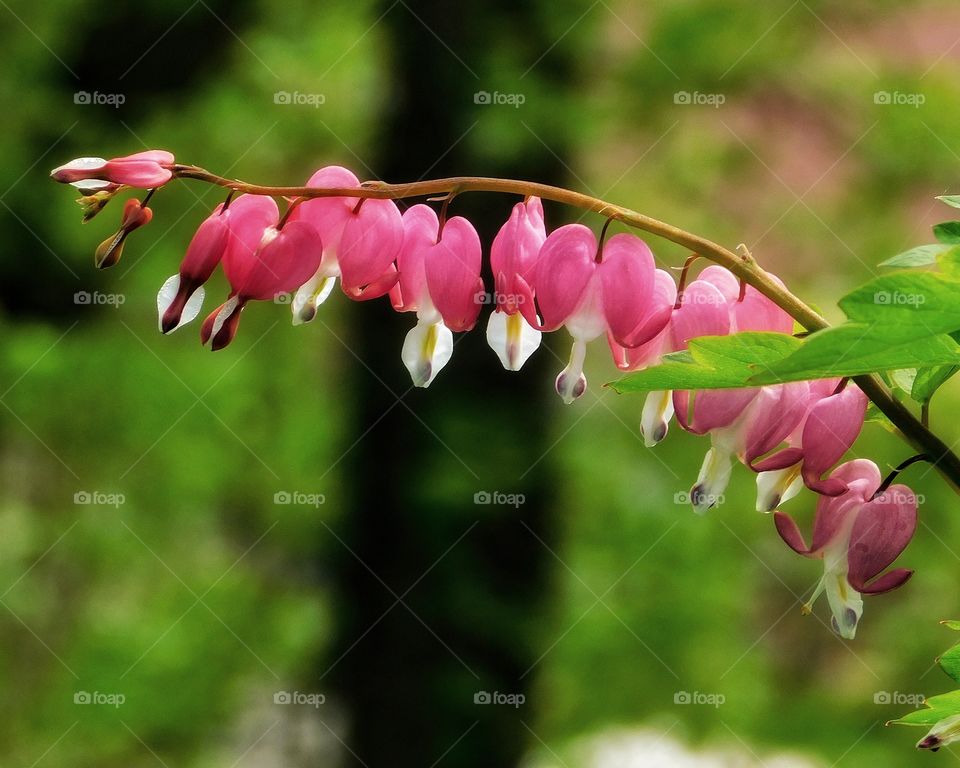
{"points": [[921, 256], [950, 662], [948, 232], [953, 200], [929, 380]]}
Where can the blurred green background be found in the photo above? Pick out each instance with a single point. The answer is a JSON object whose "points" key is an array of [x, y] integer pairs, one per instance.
{"points": [[191, 591]]}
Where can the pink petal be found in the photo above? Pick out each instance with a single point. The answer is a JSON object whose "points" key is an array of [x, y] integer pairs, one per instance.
{"points": [[628, 283], [565, 268], [250, 215], [207, 247], [328, 215], [888, 581], [790, 533], [882, 530], [227, 331], [861, 478], [420, 227], [515, 250], [704, 312], [370, 242], [780, 460], [832, 426], [723, 280], [774, 414], [143, 169], [718, 408], [284, 263], [758, 313], [452, 268]]}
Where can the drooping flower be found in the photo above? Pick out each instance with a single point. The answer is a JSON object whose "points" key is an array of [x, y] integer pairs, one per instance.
{"points": [[857, 536], [832, 422], [658, 405], [262, 261], [593, 292], [240, 225], [513, 260], [439, 279], [327, 215], [361, 240], [145, 170]]}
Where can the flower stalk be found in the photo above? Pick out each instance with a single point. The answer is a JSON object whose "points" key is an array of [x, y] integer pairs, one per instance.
{"points": [[913, 430]]}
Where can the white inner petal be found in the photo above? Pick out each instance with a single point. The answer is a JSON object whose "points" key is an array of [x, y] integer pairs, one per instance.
{"points": [[426, 349]]}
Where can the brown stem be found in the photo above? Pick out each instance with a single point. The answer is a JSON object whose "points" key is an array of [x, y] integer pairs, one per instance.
{"points": [[744, 266]]}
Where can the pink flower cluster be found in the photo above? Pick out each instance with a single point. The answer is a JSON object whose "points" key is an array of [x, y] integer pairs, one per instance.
{"points": [[791, 435]]}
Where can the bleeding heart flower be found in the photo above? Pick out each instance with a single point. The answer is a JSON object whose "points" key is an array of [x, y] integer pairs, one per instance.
{"points": [[282, 260], [513, 260], [327, 215], [369, 246], [592, 292], [831, 423], [439, 279], [241, 226], [658, 405], [857, 535], [145, 170]]}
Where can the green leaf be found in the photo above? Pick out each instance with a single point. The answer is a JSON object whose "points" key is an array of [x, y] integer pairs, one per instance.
{"points": [[948, 232], [936, 708], [921, 256], [712, 362], [953, 200], [904, 378], [950, 662], [853, 349], [929, 380], [953, 624], [755, 359], [910, 304], [949, 262]]}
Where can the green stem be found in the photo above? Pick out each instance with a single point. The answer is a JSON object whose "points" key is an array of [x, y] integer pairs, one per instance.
{"points": [[743, 266]]}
